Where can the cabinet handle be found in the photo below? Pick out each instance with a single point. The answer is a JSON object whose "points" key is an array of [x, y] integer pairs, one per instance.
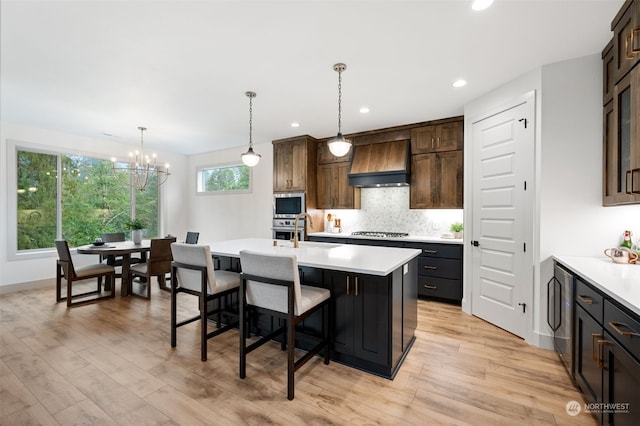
{"points": [[431, 287], [586, 300], [628, 190], [430, 251], [433, 268], [601, 345], [629, 51], [438, 142], [347, 285], [431, 143], [356, 286], [616, 326], [633, 189], [594, 336]]}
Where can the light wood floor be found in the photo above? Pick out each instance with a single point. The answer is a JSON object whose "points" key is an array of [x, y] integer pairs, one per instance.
{"points": [[111, 363]]}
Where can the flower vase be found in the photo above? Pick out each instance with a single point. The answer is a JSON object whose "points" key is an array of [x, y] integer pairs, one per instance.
{"points": [[136, 236]]}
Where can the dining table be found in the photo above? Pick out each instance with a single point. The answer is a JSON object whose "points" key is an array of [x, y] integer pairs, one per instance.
{"points": [[120, 248]]}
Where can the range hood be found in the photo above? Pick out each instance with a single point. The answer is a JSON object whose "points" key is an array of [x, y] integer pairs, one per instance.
{"points": [[380, 164]]}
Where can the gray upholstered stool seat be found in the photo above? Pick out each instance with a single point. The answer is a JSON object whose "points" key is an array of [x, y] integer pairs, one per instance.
{"points": [[271, 283], [192, 273]]}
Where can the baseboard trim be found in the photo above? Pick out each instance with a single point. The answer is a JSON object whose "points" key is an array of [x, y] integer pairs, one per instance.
{"points": [[31, 285]]}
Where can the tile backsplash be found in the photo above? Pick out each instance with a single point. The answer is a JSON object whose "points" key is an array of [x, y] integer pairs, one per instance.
{"points": [[387, 209]]}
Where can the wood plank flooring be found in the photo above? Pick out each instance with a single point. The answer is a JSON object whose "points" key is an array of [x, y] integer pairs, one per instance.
{"points": [[111, 363]]}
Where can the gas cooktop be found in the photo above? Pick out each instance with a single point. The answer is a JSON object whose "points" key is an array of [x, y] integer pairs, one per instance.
{"points": [[380, 234]]}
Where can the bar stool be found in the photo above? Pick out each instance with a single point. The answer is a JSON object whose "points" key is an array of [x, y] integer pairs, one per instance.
{"points": [[271, 283]]}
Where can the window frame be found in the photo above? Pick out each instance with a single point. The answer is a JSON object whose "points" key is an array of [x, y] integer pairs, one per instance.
{"points": [[199, 184], [13, 146]]}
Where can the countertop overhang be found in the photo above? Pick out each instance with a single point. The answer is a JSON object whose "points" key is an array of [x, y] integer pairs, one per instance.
{"points": [[620, 281], [339, 257]]}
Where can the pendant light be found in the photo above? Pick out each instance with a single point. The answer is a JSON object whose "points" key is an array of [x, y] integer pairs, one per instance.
{"points": [[339, 146], [250, 158]]}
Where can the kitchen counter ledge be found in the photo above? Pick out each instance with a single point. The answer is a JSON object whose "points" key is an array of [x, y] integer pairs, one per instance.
{"points": [[338, 257], [621, 282]]}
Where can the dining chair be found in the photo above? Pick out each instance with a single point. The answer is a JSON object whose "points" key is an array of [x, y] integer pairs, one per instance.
{"points": [[116, 261], [192, 238], [192, 273], [71, 274], [158, 264], [271, 283]]}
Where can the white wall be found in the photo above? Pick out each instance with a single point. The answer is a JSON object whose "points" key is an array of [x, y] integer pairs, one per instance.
{"points": [[569, 217], [28, 272], [229, 216]]}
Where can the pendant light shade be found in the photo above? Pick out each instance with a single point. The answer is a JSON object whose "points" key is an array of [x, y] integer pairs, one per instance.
{"points": [[339, 146], [251, 158]]}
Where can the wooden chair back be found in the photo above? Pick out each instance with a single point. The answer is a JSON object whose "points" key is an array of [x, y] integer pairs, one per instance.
{"points": [[159, 262], [64, 256], [112, 237]]}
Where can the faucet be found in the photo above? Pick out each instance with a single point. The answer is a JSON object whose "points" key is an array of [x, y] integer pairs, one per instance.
{"points": [[295, 229]]}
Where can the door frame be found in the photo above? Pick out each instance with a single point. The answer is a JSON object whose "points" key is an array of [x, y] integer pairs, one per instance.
{"points": [[531, 207]]}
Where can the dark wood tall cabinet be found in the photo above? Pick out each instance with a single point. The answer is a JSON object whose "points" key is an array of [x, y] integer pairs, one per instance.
{"points": [[621, 109]]}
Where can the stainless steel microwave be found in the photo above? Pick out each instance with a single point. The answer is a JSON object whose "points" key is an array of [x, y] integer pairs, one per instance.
{"points": [[288, 205]]}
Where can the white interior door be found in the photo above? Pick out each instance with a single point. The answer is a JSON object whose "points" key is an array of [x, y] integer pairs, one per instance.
{"points": [[503, 159]]}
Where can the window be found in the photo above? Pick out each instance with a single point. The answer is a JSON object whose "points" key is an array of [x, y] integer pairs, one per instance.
{"points": [[234, 178], [88, 200]]}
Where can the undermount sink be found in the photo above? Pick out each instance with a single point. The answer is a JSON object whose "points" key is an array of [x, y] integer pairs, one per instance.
{"points": [[309, 244]]}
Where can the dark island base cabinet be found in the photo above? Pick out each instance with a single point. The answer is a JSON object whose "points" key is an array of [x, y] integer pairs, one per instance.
{"points": [[439, 271], [607, 348], [373, 318]]}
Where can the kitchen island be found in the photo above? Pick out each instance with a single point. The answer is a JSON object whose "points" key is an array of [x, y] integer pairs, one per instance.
{"points": [[374, 297]]}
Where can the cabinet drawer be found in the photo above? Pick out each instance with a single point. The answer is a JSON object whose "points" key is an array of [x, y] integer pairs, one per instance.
{"points": [[436, 267], [623, 327], [451, 251], [589, 299], [440, 287]]}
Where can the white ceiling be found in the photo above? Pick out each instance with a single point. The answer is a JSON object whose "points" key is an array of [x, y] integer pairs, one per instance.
{"points": [[181, 68]]}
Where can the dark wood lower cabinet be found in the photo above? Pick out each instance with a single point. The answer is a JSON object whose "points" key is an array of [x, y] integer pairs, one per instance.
{"points": [[607, 356], [361, 315], [373, 318], [588, 373], [621, 385]]}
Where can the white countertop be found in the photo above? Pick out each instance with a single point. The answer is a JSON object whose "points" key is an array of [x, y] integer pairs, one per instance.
{"points": [[339, 257], [621, 282], [410, 238]]}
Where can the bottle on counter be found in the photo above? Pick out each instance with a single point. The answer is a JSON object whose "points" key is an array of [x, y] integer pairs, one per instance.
{"points": [[626, 240]]}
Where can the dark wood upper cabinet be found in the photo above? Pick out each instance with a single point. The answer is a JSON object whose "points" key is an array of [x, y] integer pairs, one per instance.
{"points": [[334, 191], [446, 136], [294, 164], [626, 37], [437, 180], [621, 111]]}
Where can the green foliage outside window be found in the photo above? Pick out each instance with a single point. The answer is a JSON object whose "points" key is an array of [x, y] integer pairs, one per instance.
{"points": [[94, 200], [228, 178]]}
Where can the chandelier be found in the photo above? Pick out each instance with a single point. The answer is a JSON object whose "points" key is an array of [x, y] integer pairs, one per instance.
{"points": [[141, 168], [250, 158], [339, 146]]}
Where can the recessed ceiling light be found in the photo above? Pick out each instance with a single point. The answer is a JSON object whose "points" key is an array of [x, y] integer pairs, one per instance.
{"points": [[295, 124], [364, 110], [481, 4], [459, 83]]}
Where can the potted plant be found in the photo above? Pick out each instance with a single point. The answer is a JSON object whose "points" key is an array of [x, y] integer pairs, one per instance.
{"points": [[136, 226], [456, 228]]}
